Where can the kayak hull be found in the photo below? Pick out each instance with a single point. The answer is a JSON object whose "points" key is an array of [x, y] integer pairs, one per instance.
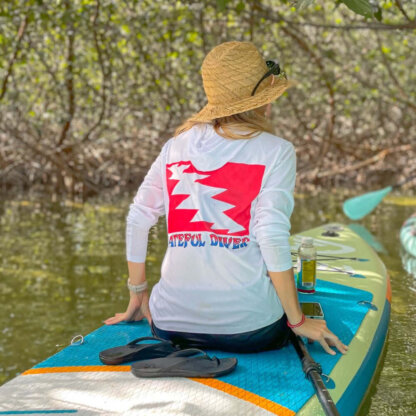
{"points": [[355, 296], [408, 235]]}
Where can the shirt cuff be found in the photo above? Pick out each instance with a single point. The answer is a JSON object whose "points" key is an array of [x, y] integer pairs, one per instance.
{"points": [[277, 259]]}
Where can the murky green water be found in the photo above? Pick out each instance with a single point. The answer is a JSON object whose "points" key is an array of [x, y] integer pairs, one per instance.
{"points": [[63, 271]]}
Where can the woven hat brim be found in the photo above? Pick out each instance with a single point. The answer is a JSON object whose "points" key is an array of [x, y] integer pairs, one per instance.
{"points": [[267, 95]]}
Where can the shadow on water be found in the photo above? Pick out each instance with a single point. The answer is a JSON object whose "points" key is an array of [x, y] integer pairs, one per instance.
{"points": [[63, 271]]}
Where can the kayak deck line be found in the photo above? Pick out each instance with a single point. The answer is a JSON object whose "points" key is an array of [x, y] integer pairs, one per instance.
{"points": [[246, 395]]}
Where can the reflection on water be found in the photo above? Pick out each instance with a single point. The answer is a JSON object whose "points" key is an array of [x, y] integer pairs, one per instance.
{"points": [[409, 262], [63, 271]]}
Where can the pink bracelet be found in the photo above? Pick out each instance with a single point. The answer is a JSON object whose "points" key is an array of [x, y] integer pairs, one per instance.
{"points": [[298, 324]]}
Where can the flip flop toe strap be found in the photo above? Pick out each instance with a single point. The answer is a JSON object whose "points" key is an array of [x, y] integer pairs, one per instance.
{"points": [[188, 352], [178, 359], [137, 340], [194, 351]]}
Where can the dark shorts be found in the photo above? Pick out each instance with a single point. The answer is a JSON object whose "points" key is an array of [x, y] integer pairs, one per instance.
{"points": [[270, 337]]}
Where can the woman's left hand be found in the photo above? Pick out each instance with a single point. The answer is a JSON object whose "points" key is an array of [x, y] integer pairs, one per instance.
{"points": [[137, 309]]}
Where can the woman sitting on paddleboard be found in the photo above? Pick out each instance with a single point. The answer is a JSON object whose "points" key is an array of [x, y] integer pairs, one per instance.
{"points": [[225, 183]]}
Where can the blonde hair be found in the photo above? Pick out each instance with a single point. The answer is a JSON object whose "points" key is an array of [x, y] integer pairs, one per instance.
{"points": [[252, 121]]}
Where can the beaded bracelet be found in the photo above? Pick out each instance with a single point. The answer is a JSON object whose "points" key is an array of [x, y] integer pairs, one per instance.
{"points": [[298, 324], [137, 288]]}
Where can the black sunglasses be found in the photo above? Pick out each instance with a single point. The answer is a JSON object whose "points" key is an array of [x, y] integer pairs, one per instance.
{"points": [[274, 69]]}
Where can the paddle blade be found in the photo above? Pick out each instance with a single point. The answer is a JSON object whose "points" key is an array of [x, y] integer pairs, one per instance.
{"points": [[359, 206]]}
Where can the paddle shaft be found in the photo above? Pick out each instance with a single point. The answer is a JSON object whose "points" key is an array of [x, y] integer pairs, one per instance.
{"points": [[313, 373]]}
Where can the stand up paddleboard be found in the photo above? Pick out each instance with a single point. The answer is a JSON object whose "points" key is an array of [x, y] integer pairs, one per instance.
{"points": [[354, 290]]}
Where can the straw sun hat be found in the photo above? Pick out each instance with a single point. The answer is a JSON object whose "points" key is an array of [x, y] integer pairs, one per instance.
{"points": [[230, 72]]}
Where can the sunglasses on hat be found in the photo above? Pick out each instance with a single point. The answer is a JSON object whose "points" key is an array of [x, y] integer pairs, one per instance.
{"points": [[274, 69]]}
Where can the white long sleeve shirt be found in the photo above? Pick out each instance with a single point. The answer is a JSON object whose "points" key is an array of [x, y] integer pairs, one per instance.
{"points": [[228, 205]]}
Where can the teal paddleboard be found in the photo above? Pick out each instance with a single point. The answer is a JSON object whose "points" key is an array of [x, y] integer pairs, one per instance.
{"points": [[355, 297]]}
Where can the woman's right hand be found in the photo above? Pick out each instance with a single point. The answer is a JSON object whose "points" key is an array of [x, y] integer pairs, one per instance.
{"points": [[316, 330]]}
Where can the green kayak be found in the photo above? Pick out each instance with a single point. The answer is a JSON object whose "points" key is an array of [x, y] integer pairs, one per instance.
{"points": [[408, 235]]}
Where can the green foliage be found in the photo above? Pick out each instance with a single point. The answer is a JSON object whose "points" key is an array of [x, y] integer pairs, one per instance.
{"points": [[361, 7], [221, 5], [90, 89], [366, 8], [302, 4]]}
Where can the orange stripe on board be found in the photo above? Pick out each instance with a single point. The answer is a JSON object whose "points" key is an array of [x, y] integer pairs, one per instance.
{"points": [[77, 369], [238, 392], [242, 394], [388, 292]]}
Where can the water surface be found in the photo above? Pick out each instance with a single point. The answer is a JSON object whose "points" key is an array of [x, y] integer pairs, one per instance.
{"points": [[63, 271]]}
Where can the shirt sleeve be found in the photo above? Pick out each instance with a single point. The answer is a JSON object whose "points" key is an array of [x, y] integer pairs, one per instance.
{"points": [[146, 208], [273, 210]]}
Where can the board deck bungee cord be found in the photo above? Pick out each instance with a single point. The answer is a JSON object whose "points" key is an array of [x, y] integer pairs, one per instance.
{"points": [[357, 309]]}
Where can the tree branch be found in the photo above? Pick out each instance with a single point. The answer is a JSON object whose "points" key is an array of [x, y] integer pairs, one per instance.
{"points": [[374, 159], [402, 10], [69, 82], [20, 33], [103, 72], [59, 162], [274, 16]]}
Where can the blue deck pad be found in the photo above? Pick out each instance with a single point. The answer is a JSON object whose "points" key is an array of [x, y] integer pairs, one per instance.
{"points": [[274, 375]]}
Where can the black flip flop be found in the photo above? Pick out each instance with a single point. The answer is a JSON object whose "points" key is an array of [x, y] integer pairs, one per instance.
{"points": [[133, 352], [191, 362]]}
